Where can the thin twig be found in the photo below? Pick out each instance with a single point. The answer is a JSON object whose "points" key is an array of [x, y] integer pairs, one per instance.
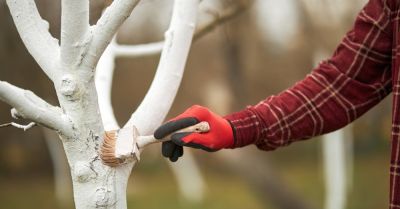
{"points": [[29, 106], [219, 17], [16, 125]]}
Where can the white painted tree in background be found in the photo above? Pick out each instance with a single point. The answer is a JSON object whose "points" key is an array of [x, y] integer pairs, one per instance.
{"points": [[337, 149], [337, 146], [71, 66]]}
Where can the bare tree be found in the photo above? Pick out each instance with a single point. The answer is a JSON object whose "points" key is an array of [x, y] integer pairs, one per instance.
{"points": [[71, 67]]}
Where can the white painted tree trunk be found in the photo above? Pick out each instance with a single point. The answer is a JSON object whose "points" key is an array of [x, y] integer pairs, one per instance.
{"points": [[336, 147], [334, 155], [335, 160], [71, 67]]}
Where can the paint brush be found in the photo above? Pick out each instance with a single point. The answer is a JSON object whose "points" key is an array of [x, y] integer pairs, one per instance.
{"points": [[124, 145]]}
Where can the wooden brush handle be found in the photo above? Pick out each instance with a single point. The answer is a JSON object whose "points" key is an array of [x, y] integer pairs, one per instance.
{"points": [[202, 127]]}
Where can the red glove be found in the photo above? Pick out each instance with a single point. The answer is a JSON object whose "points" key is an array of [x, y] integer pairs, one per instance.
{"points": [[220, 135]]}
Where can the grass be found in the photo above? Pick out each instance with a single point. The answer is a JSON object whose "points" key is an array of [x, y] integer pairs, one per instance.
{"points": [[153, 186]]}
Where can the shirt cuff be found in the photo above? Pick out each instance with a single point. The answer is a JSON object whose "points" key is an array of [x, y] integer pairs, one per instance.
{"points": [[246, 127]]}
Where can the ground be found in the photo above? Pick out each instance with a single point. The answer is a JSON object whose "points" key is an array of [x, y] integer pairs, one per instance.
{"points": [[153, 186]]}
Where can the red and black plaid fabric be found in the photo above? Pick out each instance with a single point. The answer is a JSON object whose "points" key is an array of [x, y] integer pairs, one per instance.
{"points": [[362, 71]]}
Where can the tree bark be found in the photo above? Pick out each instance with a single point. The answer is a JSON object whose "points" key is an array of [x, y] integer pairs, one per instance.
{"points": [[71, 67]]}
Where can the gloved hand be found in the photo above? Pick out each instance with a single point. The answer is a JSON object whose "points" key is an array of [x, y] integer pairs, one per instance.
{"points": [[220, 135]]}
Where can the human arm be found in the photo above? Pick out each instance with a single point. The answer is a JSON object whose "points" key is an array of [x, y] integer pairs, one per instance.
{"points": [[334, 94]]}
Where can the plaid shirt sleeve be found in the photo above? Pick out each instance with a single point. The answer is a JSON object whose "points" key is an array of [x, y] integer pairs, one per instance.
{"points": [[334, 94]]}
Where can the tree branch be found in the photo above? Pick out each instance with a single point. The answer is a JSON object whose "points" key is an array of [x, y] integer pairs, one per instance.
{"points": [[32, 107], [104, 75], [74, 30], [105, 67], [105, 29], [34, 32], [162, 92], [212, 17], [139, 50], [16, 125]]}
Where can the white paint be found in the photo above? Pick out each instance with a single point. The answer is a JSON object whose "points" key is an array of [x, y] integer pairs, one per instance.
{"points": [[74, 32], [31, 107], [34, 32], [333, 145], [20, 126], [77, 118], [334, 160], [71, 67], [106, 27], [139, 50], [170, 69], [124, 147], [104, 76]]}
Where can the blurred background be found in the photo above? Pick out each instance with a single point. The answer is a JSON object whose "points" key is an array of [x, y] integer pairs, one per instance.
{"points": [[264, 50]]}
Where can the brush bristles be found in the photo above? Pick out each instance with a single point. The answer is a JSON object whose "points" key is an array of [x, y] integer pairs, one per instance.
{"points": [[107, 152]]}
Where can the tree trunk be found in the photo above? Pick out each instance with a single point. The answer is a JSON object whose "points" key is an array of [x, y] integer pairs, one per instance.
{"points": [[95, 184], [70, 64]]}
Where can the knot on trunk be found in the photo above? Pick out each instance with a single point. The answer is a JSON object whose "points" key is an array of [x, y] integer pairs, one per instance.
{"points": [[104, 197], [83, 172], [70, 88]]}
